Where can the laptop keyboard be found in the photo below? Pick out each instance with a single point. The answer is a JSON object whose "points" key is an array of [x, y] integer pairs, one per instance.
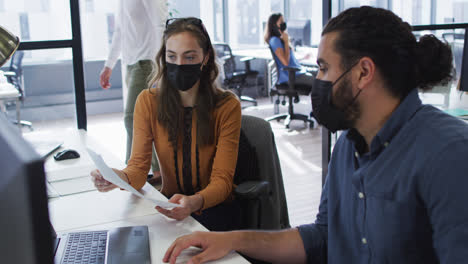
{"points": [[86, 247]]}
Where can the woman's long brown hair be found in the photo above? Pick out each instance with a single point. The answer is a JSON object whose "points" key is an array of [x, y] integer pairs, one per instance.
{"points": [[169, 104]]}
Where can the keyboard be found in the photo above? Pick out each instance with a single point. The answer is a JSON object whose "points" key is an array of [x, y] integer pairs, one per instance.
{"points": [[86, 247]]}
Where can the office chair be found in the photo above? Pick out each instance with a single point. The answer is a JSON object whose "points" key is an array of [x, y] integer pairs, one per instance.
{"points": [[236, 79], [15, 76], [289, 90], [258, 177]]}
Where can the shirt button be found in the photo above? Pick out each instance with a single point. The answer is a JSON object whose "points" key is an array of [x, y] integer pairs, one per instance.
{"points": [[356, 154], [386, 144], [364, 240], [361, 195]]}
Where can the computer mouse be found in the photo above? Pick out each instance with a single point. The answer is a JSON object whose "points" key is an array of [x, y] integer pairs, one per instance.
{"points": [[67, 154]]}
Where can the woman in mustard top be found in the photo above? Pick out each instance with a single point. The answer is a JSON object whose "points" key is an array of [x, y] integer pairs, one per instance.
{"points": [[194, 127]]}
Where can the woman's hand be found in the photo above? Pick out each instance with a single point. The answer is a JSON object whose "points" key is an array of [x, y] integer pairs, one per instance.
{"points": [[285, 37], [103, 185], [189, 204]]}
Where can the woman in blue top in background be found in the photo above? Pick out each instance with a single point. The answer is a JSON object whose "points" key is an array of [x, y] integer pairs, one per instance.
{"points": [[278, 40]]}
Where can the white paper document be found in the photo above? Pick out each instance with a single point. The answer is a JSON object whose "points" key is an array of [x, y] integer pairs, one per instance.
{"points": [[112, 177]]}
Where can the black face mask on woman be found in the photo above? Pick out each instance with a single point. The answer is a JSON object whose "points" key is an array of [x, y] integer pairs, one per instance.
{"points": [[283, 26], [324, 111], [183, 76]]}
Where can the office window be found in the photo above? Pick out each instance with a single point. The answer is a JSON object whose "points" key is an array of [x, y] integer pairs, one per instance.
{"points": [[416, 12], [277, 6], [451, 11], [97, 28], [24, 25], [89, 7], [305, 16], [244, 22], [37, 6], [110, 27], [37, 20], [218, 13]]}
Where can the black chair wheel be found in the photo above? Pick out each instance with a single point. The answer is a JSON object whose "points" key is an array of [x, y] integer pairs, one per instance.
{"points": [[311, 124], [284, 100], [296, 99], [277, 101], [287, 126]]}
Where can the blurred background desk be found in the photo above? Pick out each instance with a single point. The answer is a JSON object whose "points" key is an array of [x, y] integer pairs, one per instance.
{"points": [[9, 93]]}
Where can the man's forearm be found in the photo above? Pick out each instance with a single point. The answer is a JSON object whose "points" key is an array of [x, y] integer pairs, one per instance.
{"points": [[276, 246]]}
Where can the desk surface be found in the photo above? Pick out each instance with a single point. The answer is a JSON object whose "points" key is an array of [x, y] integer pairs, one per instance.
{"points": [[306, 55], [7, 90], [92, 210]]}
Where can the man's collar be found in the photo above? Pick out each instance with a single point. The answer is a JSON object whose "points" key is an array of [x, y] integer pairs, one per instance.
{"points": [[408, 106]]}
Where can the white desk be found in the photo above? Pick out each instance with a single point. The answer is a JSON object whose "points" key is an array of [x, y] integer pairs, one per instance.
{"points": [[94, 211], [9, 93], [309, 54]]}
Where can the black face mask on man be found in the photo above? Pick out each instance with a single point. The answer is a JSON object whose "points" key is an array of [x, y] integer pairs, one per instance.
{"points": [[324, 111], [183, 76]]}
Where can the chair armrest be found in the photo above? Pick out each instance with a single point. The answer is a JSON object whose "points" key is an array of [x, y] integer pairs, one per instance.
{"points": [[9, 73], [224, 58], [252, 189], [246, 59], [291, 69]]}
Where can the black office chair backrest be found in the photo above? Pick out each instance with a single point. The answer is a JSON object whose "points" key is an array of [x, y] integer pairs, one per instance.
{"points": [[247, 161], [16, 66], [261, 155], [224, 52]]}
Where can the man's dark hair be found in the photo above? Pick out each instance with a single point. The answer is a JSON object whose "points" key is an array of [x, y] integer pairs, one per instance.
{"points": [[379, 34]]}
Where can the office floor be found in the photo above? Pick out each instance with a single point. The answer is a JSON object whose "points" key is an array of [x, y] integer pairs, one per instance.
{"points": [[299, 151]]}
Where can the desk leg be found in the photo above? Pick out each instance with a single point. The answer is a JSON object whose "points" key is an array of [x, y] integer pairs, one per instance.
{"points": [[18, 118]]}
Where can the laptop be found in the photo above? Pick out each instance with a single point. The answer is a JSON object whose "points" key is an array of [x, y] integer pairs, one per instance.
{"points": [[123, 245]]}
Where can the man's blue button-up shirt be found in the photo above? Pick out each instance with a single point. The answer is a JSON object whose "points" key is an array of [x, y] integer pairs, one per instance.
{"points": [[403, 201]]}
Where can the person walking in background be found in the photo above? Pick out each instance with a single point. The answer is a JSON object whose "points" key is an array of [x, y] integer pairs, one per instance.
{"points": [[137, 38]]}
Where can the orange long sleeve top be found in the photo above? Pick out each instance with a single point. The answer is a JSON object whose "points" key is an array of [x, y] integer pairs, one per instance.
{"points": [[217, 161]]}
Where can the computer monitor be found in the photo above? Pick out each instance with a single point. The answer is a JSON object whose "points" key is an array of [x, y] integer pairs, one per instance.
{"points": [[299, 32], [24, 222]]}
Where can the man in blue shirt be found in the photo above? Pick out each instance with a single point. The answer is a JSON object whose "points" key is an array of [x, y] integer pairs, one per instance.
{"points": [[397, 184]]}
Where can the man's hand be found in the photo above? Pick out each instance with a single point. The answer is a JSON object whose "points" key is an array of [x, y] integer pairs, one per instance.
{"points": [[189, 204], [105, 77], [102, 184], [215, 245]]}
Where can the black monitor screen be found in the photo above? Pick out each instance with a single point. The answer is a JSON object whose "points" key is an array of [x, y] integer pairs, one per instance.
{"points": [[464, 65], [24, 222], [299, 32]]}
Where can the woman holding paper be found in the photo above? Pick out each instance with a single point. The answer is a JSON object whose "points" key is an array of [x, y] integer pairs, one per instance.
{"points": [[194, 126]]}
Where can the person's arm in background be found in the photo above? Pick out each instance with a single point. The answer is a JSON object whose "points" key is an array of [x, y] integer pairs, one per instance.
{"points": [[114, 51], [280, 52]]}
